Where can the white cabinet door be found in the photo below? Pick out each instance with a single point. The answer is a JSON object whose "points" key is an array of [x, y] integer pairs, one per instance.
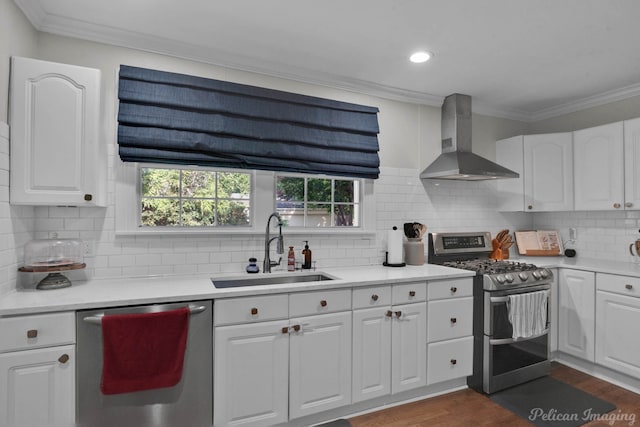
{"points": [[37, 387], [618, 319], [54, 123], [320, 363], [509, 153], [251, 378], [577, 313], [371, 353], [408, 347], [599, 168], [632, 164], [548, 172]]}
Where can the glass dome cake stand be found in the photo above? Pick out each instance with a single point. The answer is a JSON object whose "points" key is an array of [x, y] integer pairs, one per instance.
{"points": [[53, 256]]}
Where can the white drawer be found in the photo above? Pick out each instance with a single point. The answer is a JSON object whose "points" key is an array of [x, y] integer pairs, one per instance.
{"points": [[452, 288], [409, 292], [251, 309], [371, 297], [318, 302], [449, 359], [624, 285], [451, 318], [38, 330]]}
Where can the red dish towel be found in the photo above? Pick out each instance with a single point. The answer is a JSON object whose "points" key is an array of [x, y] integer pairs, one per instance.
{"points": [[143, 351]]}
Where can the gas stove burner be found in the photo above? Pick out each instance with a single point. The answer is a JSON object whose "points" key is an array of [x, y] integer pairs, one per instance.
{"points": [[489, 266]]}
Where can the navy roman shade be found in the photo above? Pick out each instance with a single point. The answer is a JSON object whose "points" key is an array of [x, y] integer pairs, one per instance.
{"points": [[179, 119]]}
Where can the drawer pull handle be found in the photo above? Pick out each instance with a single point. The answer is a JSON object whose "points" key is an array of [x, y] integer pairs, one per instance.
{"points": [[374, 297], [296, 328], [285, 330], [453, 361], [629, 287], [454, 289], [32, 333], [398, 314], [254, 311], [412, 293], [323, 303], [88, 197], [63, 359], [389, 313], [454, 320]]}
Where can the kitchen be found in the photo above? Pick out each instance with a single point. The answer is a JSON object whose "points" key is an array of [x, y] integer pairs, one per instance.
{"points": [[400, 196]]}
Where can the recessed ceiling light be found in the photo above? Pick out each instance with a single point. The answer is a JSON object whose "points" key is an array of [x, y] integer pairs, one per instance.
{"points": [[420, 57]]}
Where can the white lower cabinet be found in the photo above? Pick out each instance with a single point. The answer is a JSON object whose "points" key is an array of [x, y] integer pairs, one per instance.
{"points": [[618, 315], [408, 347], [450, 330], [268, 372], [37, 370], [576, 313], [251, 374], [319, 363]]}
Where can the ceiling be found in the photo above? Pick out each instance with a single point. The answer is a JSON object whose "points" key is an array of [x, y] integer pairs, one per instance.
{"points": [[521, 59]]}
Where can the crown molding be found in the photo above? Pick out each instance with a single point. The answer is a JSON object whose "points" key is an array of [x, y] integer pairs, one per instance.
{"points": [[588, 102]]}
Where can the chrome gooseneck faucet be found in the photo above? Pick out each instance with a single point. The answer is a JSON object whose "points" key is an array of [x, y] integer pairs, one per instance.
{"points": [[267, 264]]}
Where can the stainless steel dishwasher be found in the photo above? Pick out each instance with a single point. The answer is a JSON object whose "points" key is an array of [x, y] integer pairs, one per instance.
{"points": [[187, 403]]}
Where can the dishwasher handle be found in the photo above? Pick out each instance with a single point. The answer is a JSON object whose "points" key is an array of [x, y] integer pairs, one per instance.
{"points": [[96, 319]]}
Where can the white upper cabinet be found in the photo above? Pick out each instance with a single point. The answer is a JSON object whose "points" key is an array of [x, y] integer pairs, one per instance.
{"points": [[56, 154], [632, 164], [599, 168], [545, 165]]}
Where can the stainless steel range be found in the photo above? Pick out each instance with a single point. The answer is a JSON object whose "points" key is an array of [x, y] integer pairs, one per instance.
{"points": [[501, 358]]}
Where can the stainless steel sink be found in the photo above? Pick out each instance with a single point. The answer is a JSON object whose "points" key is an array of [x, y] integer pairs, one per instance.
{"points": [[270, 280]]}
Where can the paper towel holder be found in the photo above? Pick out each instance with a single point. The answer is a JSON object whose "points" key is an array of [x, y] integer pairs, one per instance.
{"points": [[386, 263]]}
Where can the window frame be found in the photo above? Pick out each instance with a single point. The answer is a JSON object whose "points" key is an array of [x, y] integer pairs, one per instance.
{"points": [[127, 197]]}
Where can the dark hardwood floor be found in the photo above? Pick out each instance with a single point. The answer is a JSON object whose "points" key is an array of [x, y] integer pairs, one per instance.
{"points": [[469, 408]]}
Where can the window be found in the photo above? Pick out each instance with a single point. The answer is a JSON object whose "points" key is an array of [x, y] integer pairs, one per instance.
{"points": [[318, 202], [194, 198]]}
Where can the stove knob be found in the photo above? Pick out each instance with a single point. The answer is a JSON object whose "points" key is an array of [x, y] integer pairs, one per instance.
{"points": [[500, 278], [523, 276], [544, 274], [536, 275], [509, 277]]}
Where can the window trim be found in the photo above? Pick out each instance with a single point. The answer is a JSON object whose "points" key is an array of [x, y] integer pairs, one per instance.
{"points": [[127, 194]]}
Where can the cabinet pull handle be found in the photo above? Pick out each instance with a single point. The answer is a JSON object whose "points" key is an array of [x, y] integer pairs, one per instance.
{"points": [[454, 289], [32, 333], [398, 314], [296, 328], [454, 320], [453, 361], [412, 293], [63, 359], [530, 207], [254, 311], [616, 205], [88, 197], [389, 313], [323, 303], [374, 297], [628, 205], [285, 330], [629, 287]]}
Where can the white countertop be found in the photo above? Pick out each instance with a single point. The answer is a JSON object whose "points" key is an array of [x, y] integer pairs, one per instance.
{"points": [[98, 293]]}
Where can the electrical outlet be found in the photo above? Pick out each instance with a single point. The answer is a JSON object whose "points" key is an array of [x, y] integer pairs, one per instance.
{"points": [[87, 248], [573, 233]]}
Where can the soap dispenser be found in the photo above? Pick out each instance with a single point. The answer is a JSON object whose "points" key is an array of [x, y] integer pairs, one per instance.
{"points": [[307, 256]]}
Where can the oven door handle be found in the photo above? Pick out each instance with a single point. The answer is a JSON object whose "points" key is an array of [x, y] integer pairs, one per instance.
{"points": [[501, 341], [505, 298]]}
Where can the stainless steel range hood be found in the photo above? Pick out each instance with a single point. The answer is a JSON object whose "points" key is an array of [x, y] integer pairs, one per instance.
{"points": [[457, 161]]}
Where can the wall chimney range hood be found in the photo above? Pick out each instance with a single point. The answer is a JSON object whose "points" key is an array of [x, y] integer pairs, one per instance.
{"points": [[457, 162]]}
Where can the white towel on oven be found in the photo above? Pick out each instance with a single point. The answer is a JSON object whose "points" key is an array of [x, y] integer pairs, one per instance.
{"points": [[528, 313]]}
